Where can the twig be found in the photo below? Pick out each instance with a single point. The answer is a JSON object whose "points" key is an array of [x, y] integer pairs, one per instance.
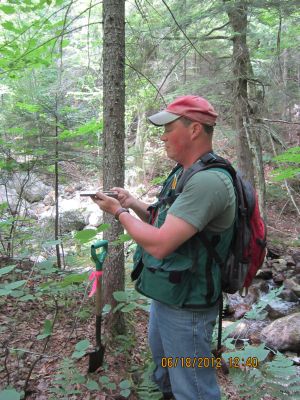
{"points": [[35, 354], [281, 121], [185, 35], [278, 230], [44, 348]]}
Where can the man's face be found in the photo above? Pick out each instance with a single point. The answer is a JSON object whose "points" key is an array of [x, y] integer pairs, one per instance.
{"points": [[177, 139]]}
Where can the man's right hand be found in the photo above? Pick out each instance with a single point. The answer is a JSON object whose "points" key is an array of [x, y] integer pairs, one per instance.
{"points": [[128, 201], [125, 198]]}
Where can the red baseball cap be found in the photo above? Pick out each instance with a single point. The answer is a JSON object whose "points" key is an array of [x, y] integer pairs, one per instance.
{"points": [[194, 108]]}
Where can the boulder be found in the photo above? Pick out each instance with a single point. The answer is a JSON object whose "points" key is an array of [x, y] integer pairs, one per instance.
{"points": [[292, 285], [31, 188], [289, 295], [283, 333]]}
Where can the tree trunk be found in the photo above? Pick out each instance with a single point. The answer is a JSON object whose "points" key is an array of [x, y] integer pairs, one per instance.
{"points": [[140, 142], [237, 14], [113, 144], [249, 152]]}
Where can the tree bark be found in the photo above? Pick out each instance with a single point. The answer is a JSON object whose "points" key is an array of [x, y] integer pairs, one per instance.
{"points": [[237, 14], [113, 144], [249, 152]]}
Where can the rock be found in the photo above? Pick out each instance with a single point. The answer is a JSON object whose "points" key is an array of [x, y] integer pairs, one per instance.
{"points": [[264, 287], [292, 285], [275, 251], [296, 257], [278, 278], [241, 311], [279, 265], [31, 188], [71, 220], [265, 273], [274, 313], [288, 295], [49, 199], [290, 262], [95, 219], [283, 333]]}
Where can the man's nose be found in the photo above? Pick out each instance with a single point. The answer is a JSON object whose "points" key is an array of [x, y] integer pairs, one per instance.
{"points": [[163, 137]]}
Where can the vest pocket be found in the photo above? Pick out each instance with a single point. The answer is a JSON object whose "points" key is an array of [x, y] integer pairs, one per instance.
{"points": [[167, 280]]}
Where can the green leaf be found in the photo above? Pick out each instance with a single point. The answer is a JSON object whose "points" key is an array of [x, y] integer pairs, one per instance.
{"points": [[124, 237], [10, 394], [82, 345], [9, 26], [28, 297], [120, 296], [47, 330], [7, 9], [126, 384], [92, 385], [15, 285], [4, 292], [28, 107], [125, 392], [129, 307], [104, 379], [73, 278], [7, 269], [86, 235]]}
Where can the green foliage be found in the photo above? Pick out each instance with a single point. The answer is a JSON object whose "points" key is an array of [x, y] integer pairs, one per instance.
{"points": [[47, 331], [147, 389], [257, 312], [86, 235], [81, 348], [290, 165], [10, 394], [66, 381], [130, 300], [277, 378]]}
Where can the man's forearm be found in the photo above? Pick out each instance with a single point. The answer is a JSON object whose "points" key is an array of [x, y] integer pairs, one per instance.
{"points": [[140, 208], [142, 233]]}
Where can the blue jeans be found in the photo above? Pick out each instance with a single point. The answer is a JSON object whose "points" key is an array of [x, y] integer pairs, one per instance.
{"points": [[178, 338]]}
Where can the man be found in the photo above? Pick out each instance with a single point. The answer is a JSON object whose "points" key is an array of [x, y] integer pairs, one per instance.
{"points": [[172, 265]]}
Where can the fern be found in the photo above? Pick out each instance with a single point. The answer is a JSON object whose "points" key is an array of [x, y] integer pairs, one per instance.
{"points": [[277, 378], [147, 389]]}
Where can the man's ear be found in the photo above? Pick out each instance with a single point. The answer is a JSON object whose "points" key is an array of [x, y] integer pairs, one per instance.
{"points": [[197, 129]]}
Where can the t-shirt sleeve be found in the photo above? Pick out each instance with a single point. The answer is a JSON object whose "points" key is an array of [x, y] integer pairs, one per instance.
{"points": [[205, 198]]}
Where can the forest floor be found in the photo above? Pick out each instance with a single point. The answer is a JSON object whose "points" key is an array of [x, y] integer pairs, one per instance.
{"points": [[46, 369]]}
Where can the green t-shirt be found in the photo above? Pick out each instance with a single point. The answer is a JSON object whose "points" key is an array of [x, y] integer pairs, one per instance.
{"points": [[207, 201]]}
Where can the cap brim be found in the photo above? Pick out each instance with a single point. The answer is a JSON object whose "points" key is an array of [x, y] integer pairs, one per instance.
{"points": [[163, 118]]}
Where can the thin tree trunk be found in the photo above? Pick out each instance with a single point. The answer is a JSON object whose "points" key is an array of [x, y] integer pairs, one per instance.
{"points": [[56, 223], [237, 14], [249, 150], [113, 145]]}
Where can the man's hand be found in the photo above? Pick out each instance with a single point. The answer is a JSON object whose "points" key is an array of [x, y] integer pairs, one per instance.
{"points": [[125, 198], [106, 203]]}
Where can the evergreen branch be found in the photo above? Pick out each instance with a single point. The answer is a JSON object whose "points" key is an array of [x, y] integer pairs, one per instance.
{"points": [[185, 35], [148, 80]]}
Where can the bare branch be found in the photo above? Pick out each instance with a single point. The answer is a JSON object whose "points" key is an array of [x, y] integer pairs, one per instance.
{"points": [[280, 121], [185, 35], [148, 80]]}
